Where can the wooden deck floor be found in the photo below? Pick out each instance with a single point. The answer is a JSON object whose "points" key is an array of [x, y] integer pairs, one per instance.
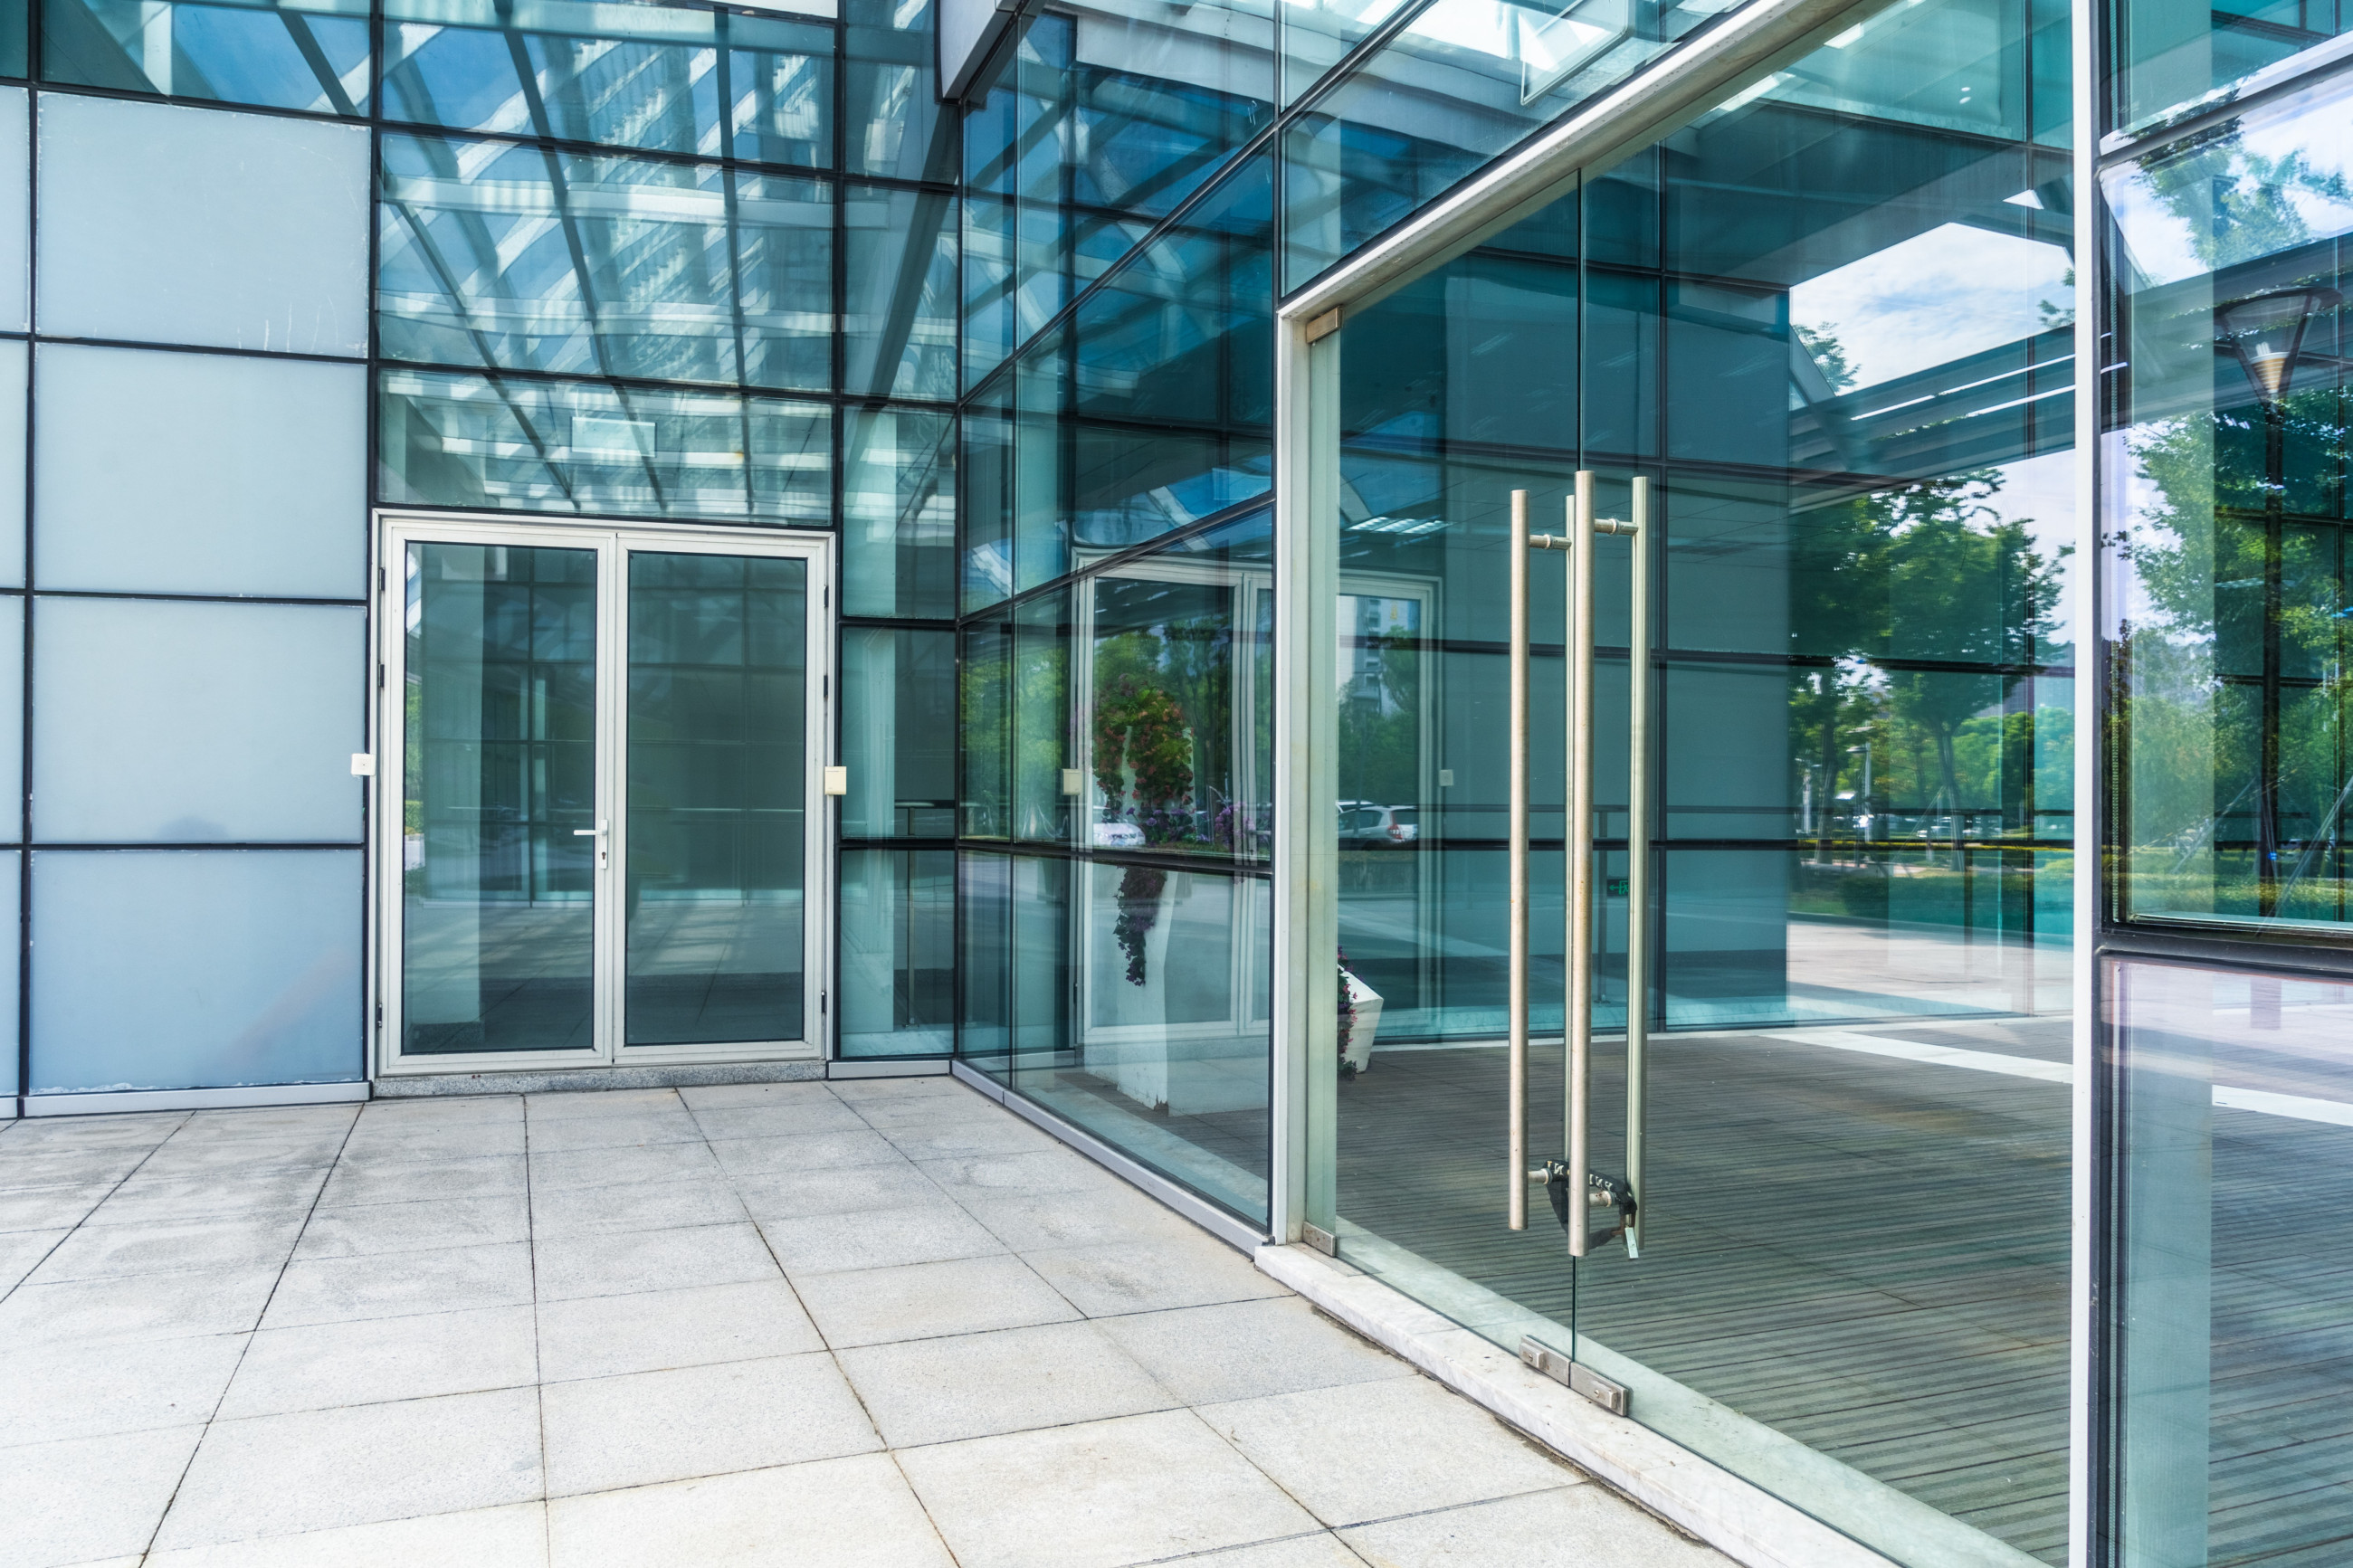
{"points": [[1867, 1254]]}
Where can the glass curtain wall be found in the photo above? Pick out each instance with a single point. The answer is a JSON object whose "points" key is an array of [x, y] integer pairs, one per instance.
{"points": [[2225, 592], [667, 262], [1114, 835], [1828, 321]]}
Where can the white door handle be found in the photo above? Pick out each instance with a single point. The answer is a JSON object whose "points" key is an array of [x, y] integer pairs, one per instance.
{"points": [[598, 833]]}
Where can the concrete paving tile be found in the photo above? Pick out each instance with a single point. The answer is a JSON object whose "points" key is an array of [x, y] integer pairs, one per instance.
{"points": [[148, 1128], [1098, 1495], [269, 1121], [998, 1133], [928, 1300], [324, 1469], [514, 1536], [1108, 1216], [631, 1431], [801, 1193], [106, 1251], [398, 1284], [49, 1208], [653, 1331], [804, 1151], [856, 1512], [1145, 1276], [865, 1091], [565, 1105], [440, 1181], [442, 1107], [778, 1121], [624, 1166], [22, 1250], [670, 1124], [959, 1109], [729, 1096], [1008, 1380], [1245, 1349], [1573, 1527], [412, 1143], [239, 1157], [573, 1267], [54, 1165], [100, 1388], [877, 1239], [1030, 1174], [145, 1200], [1410, 1446], [557, 1212], [137, 1307], [324, 1365], [362, 1230], [90, 1498]]}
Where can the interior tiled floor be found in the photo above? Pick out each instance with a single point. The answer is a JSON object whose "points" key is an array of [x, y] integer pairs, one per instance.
{"points": [[871, 1323]]}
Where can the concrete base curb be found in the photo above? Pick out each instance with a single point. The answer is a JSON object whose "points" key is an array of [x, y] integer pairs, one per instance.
{"points": [[1739, 1519]]}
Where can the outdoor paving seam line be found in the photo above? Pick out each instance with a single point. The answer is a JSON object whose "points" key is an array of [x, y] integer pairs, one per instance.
{"points": [[539, 1380], [69, 1230], [1326, 1532], [212, 1417]]}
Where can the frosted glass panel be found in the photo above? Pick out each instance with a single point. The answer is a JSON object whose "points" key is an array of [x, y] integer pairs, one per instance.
{"points": [[186, 724], [166, 225], [200, 474], [15, 359], [12, 728], [195, 969], [16, 207], [11, 909]]}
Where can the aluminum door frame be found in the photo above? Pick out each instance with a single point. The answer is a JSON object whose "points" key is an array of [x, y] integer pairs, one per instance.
{"points": [[612, 544]]}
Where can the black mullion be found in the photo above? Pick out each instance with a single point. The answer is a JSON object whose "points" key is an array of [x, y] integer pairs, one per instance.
{"points": [[24, 695]]}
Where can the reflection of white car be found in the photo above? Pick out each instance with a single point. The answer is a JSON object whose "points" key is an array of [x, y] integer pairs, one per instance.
{"points": [[1118, 835], [1366, 825]]}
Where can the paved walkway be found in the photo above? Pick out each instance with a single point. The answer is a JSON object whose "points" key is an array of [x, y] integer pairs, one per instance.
{"points": [[874, 1323]]}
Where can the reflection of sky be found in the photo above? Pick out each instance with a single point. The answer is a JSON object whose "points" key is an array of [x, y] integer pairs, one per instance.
{"points": [[2315, 126], [2041, 492], [1935, 297]]}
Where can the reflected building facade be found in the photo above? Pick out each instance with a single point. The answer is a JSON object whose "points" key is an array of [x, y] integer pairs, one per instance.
{"points": [[561, 537]]}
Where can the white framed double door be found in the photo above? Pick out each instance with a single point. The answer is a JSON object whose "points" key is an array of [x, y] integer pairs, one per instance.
{"points": [[600, 790]]}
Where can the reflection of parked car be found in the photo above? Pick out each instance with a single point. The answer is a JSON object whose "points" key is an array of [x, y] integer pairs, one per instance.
{"points": [[1118, 835], [1365, 825]]}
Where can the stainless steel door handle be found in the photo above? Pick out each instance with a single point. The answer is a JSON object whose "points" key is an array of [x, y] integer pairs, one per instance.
{"points": [[1516, 1005], [1575, 1173]]}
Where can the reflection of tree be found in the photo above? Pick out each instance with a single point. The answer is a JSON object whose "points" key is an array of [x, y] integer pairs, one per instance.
{"points": [[1928, 574], [1968, 586], [2236, 597], [1380, 720], [1163, 707]]}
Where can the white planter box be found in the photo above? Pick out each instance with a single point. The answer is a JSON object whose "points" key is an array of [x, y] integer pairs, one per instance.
{"points": [[1368, 1004]]}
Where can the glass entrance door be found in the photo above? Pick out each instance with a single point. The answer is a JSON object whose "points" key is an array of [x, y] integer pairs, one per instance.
{"points": [[1799, 813], [606, 750]]}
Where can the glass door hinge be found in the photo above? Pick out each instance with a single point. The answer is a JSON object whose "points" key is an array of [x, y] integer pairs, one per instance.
{"points": [[1614, 1397]]}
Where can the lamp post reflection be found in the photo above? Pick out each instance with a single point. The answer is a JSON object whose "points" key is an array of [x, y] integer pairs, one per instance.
{"points": [[2265, 332]]}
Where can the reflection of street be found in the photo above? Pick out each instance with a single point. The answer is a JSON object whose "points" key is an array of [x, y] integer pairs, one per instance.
{"points": [[507, 976], [700, 972], [1448, 975], [713, 970]]}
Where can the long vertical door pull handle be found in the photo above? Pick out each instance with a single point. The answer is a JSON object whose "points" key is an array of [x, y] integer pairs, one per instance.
{"points": [[1517, 1003], [1577, 797], [1638, 863]]}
